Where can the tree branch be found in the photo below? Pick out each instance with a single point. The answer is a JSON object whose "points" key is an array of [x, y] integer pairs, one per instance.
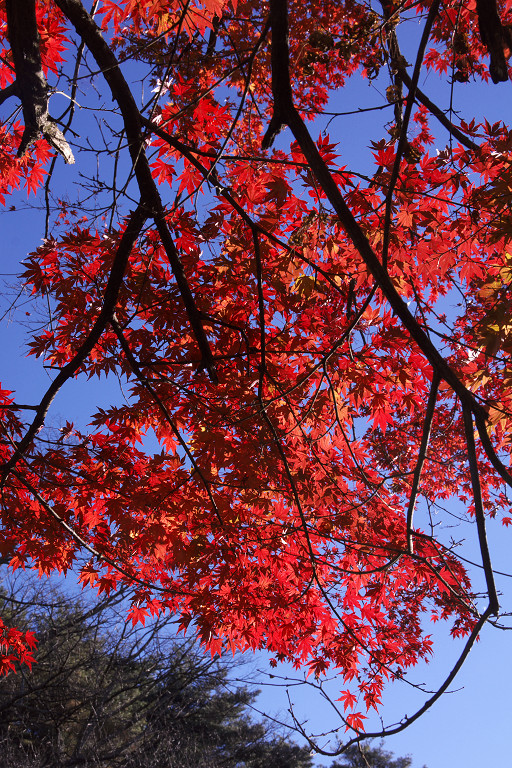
{"points": [[31, 85], [494, 36], [439, 114], [128, 240], [427, 425], [8, 91], [494, 605], [362, 245], [404, 125], [90, 33], [281, 86], [491, 454]]}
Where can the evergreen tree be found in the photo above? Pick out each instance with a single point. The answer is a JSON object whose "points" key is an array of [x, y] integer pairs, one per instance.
{"points": [[367, 756], [107, 694]]}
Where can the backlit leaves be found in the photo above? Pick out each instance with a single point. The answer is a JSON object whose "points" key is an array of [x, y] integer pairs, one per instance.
{"points": [[262, 496]]}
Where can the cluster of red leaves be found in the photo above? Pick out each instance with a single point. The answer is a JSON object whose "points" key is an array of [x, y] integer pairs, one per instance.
{"points": [[267, 509], [16, 648]]}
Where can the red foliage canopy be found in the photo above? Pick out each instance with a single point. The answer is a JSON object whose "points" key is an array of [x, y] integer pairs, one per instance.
{"points": [[294, 376]]}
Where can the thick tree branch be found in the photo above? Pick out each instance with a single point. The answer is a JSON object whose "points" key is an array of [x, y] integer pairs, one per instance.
{"points": [[281, 86], [488, 447], [374, 266], [362, 245], [8, 91], [31, 85], [495, 37]]}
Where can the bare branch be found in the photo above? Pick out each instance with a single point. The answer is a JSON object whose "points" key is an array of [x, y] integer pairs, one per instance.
{"points": [[491, 454]]}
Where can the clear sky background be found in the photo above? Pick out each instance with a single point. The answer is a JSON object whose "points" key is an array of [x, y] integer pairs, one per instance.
{"points": [[470, 726]]}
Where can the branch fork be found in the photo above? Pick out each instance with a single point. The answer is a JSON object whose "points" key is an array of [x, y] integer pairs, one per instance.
{"points": [[31, 86]]}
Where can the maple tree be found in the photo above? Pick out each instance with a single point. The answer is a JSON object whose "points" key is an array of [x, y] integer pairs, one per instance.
{"points": [[294, 376]]}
